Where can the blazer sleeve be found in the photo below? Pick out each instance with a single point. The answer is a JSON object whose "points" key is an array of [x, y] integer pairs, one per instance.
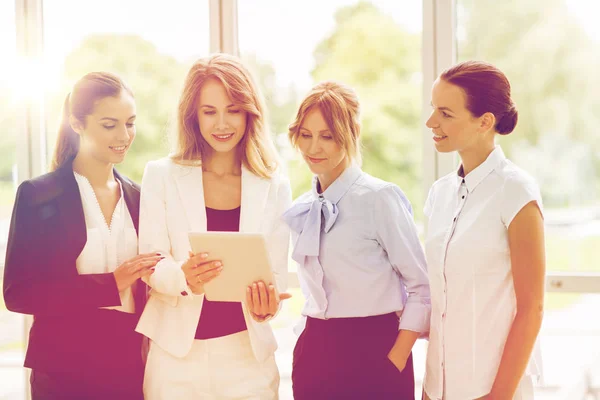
{"points": [[278, 237], [31, 285], [168, 277]]}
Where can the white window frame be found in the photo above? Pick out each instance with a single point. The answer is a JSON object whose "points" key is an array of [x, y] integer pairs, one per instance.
{"points": [[224, 26], [31, 144]]}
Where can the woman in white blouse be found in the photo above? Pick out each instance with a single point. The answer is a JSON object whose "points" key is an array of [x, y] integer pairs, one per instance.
{"points": [[71, 258], [223, 176], [484, 246]]}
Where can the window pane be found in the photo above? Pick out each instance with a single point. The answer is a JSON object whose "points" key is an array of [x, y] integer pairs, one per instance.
{"points": [[373, 46], [149, 45], [12, 375], [555, 83]]}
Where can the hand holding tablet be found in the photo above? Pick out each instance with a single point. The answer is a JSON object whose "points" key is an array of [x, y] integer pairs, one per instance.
{"points": [[244, 260], [200, 269], [244, 273], [263, 300]]}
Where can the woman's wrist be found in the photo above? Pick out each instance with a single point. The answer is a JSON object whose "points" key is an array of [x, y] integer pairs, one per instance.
{"points": [[261, 318]]}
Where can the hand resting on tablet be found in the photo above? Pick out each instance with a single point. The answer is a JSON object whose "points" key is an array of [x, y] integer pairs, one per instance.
{"points": [[199, 269]]}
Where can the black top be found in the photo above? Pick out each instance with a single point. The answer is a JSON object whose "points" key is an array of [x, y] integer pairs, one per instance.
{"points": [[47, 234], [221, 318]]}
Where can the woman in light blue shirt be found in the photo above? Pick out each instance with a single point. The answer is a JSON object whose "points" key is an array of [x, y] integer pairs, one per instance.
{"points": [[361, 266]]}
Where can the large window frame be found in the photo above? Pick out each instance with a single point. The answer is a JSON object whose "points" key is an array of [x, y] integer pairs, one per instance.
{"points": [[438, 53]]}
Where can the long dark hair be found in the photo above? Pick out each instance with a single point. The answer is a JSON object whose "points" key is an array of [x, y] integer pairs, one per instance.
{"points": [[80, 103]]}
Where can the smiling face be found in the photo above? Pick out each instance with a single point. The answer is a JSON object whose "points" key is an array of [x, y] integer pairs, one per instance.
{"points": [[108, 132], [322, 154], [454, 127], [222, 123]]}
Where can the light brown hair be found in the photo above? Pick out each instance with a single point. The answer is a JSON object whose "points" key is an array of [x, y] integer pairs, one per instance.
{"points": [[256, 149], [341, 110]]}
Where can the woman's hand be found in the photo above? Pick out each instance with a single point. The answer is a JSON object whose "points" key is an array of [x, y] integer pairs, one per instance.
{"points": [[262, 301], [402, 348], [199, 270], [398, 357], [135, 268]]}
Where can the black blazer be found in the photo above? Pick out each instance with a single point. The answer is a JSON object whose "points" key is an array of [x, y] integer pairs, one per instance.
{"points": [[47, 234]]}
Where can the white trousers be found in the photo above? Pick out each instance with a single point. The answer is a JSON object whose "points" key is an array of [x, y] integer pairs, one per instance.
{"points": [[221, 368]]}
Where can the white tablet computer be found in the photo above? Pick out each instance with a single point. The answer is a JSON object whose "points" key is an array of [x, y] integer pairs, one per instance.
{"points": [[245, 260]]}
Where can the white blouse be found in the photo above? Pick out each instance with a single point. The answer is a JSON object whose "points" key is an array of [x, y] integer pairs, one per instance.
{"points": [[107, 247], [472, 292]]}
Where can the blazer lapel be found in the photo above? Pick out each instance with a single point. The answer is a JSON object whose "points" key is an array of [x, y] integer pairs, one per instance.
{"points": [[71, 211], [255, 191], [132, 199], [191, 193]]}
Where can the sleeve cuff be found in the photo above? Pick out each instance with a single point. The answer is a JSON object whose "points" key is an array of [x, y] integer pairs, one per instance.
{"points": [[416, 317]]}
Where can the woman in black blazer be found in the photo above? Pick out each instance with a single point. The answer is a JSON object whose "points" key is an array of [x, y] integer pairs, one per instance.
{"points": [[71, 258]]}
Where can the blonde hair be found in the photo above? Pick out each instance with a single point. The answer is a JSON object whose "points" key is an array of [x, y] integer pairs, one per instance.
{"points": [[256, 148], [80, 103], [341, 110]]}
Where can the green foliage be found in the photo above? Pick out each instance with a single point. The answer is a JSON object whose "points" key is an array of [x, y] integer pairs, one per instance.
{"points": [[552, 65], [370, 52]]}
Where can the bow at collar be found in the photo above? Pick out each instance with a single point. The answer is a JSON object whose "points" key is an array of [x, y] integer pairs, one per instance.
{"points": [[306, 218]]}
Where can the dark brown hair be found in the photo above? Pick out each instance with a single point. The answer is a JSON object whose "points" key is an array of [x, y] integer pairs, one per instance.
{"points": [[80, 103], [487, 90]]}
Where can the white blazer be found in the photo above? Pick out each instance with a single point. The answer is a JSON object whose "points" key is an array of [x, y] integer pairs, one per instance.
{"points": [[171, 205]]}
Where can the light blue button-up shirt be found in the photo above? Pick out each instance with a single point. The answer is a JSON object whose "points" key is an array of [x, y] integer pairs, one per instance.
{"points": [[358, 251]]}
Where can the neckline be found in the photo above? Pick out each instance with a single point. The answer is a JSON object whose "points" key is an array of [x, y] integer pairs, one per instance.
{"points": [[100, 214], [219, 210]]}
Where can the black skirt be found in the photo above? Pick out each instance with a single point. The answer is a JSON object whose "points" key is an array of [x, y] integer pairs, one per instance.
{"points": [[346, 358], [104, 362]]}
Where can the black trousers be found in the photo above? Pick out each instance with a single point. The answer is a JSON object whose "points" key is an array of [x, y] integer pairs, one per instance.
{"points": [[346, 358], [109, 364]]}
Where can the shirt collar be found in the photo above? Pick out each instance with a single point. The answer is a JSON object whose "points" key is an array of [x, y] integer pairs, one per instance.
{"points": [[340, 186], [477, 176]]}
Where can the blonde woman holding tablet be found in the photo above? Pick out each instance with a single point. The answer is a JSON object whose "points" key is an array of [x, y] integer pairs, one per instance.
{"points": [[222, 177]]}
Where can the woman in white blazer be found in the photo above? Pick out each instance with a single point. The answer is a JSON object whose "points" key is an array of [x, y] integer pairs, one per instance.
{"points": [[223, 176]]}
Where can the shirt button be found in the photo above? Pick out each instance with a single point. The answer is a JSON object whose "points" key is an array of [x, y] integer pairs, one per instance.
{"points": [[454, 219], [443, 315], [463, 197]]}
